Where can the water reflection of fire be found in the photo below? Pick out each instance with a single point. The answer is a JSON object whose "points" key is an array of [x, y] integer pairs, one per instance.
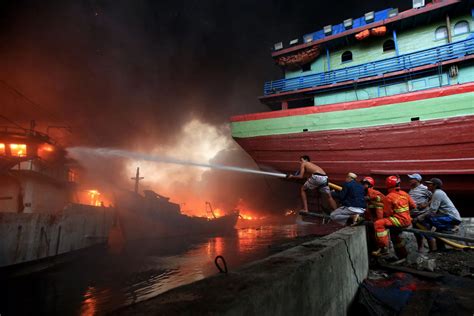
{"points": [[89, 306], [215, 246]]}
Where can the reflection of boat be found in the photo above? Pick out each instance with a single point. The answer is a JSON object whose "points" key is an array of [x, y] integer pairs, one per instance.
{"points": [[41, 219], [153, 216]]}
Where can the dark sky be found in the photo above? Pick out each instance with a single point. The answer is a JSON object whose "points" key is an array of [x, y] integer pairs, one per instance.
{"points": [[142, 68]]}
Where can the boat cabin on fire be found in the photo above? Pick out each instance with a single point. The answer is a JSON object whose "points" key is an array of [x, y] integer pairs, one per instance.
{"points": [[42, 217], [35, 174], [387, 92]]}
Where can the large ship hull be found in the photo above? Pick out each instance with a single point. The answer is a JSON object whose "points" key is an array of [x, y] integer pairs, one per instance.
{"points": [[429, 132]]}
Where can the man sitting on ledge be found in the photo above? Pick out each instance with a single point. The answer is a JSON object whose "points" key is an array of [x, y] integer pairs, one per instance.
{"points": [[442, 215], [352, 198]]}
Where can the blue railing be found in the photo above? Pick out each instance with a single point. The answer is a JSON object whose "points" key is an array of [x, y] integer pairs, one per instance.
{"points": [[407, 61]]}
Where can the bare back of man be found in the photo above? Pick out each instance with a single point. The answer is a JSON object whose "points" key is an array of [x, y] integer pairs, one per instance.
{"points": [[310, 168], [316, 179]]}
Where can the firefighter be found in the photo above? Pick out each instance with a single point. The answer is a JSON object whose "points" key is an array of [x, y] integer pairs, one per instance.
{"points": [[374, 210], [374, 200], [397, 207]]}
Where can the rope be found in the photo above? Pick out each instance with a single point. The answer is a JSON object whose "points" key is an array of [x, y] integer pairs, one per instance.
{"points": [[216, 261]]}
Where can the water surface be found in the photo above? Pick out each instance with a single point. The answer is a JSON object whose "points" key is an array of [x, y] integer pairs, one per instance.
{"points": [[100, 282]]}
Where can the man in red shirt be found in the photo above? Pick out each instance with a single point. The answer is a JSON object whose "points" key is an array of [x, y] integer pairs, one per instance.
{"points": [[397, 206]]}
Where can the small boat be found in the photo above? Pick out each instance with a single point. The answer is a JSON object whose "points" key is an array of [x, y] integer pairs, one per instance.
{"points": [[152, 215]]}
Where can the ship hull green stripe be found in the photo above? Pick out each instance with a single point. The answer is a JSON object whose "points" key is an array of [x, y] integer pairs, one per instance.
{"points": [[426, 109]]}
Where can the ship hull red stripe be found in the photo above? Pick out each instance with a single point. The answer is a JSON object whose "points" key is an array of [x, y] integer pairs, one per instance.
{"points": [[400, 98], [437, 147]]}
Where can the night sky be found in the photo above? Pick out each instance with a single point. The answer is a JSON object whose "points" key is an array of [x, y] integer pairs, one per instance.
{"points": [[146, 67]]}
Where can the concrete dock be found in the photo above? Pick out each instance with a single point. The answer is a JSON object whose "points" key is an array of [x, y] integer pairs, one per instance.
{"points": [[320, 277]]}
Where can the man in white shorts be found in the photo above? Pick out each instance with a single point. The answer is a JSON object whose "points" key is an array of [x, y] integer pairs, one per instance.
{"points": [[318, 180]]}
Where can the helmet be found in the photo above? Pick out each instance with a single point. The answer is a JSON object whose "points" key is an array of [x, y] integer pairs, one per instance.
{"points": [[369, 180], [392, 182]]}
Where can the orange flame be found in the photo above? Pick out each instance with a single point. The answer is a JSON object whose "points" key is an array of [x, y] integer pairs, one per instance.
{"points": [[2, 149], [248, 216], [94, 197], [246, 213], [18, 150]]}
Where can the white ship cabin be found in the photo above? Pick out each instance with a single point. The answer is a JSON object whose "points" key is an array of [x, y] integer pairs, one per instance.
{"points": [[35, 175]]}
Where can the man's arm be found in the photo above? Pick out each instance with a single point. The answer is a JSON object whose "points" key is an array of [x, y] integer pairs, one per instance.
{"points": [[387, 206], [411, 203], [435, 203], [433, 207], [300, 175], [341, 195]]}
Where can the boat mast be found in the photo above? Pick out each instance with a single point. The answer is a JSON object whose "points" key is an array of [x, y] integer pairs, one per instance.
{"points": [[137, 179], [210, 207]]}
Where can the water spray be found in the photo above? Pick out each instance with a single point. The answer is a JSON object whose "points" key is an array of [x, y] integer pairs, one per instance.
{"points": [[107, 152]]}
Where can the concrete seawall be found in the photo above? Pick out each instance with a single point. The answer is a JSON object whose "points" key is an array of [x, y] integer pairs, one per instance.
{"points": [[28, 237], [320, 277]]}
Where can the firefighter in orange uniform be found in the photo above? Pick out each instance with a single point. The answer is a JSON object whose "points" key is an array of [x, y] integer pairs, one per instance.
{"points": [[397, 206], [374, 199], [374, 210]]}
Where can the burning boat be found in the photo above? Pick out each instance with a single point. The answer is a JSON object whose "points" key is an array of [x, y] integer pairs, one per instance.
{"points": [[152, 215], [42, 220], [386, 93]]}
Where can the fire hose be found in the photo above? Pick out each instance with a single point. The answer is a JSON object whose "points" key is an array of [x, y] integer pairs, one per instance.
{"points": [[335, 186], [446, 238]]}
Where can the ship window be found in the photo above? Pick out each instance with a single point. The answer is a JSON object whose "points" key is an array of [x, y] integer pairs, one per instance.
{"points": [[18, 150], [2, 149], [462, 27], [294, 104], [306, 67], [71, 175], [346, 56], [441, 33], [388, 46]]}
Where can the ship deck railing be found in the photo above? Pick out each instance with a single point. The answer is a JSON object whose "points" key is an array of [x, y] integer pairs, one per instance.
{"points": [[20, 131], [431, 56]]}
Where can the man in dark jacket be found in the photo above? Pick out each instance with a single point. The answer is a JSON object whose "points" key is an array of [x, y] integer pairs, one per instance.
{"points": [[352, 199]]}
